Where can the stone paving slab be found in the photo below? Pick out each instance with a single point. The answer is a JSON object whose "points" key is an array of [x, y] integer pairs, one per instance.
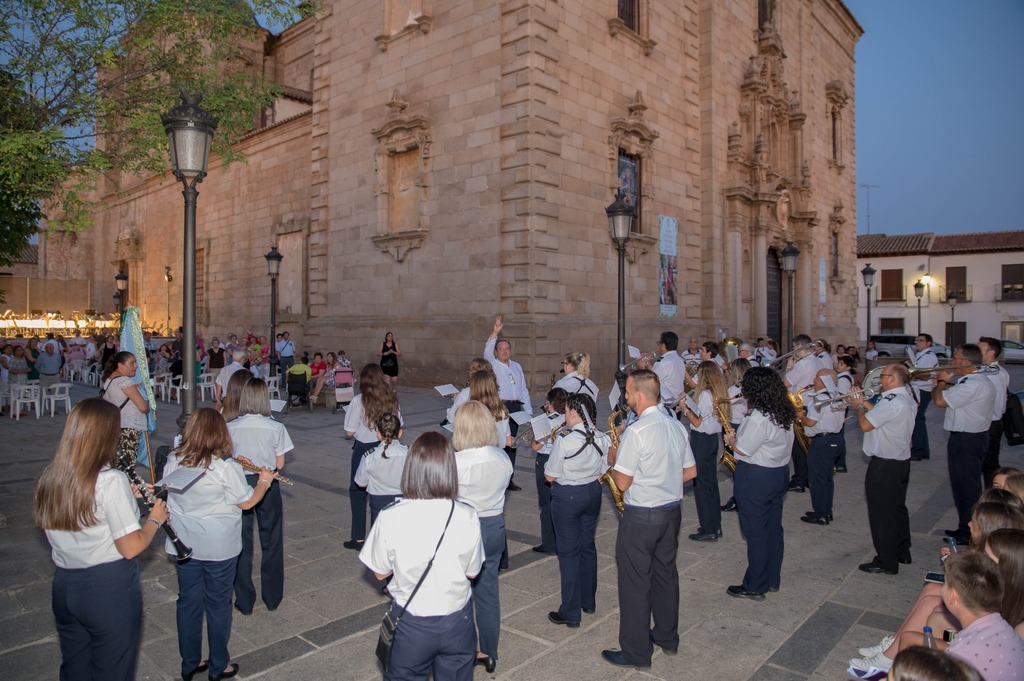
{"points": [[326, 626]]}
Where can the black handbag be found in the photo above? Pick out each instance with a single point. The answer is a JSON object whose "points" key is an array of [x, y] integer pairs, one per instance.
{"points": [[388, 627]]}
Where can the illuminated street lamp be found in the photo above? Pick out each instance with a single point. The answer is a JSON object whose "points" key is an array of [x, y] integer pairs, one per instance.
{"points": [[274, 259], [189, 134], [121, 281], [789, 256], [869, 280], [952, 298], [620, 221], [919, 292]]}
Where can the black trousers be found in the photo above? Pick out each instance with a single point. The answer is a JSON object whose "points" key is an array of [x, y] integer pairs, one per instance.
{"points": [[547, 525], [269, 517], [995, 439], [705, 485], [645, 551], [358, 496], [760, 493], [799, 457], [444, 646], [919, 447], [822, 456], [513, 429], [965, 454], [885, 487]]}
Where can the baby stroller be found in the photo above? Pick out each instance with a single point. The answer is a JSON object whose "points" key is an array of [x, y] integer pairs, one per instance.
{"points": [[298, 392]]}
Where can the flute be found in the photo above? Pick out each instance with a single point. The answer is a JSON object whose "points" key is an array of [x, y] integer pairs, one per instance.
{"points": [[247, 464], [183, 552]]}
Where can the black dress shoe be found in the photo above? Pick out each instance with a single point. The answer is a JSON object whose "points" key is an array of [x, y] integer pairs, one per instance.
{"points": [[737, 591], [730, 505], [590, 611], [874, 568], [840, 469], [354, 544], [815, 519], [488, 663], [951, 533], [668, 651], [773, 589], [188, 677], [229, 674], [244, 612], [513, 487], [904, 561], [555, 618], [540, 549], [794, 487], [618, 659], [812, 514], [704, 536]]}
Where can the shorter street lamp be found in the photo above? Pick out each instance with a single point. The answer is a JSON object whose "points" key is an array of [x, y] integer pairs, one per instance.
{"points": [[274, 259], [789, 256], [919, 292], [620, 221], [869, 280], [121, 280], [953, 299]]}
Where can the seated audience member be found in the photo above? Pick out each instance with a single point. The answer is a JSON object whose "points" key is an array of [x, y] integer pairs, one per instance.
{"points": [[1014, 483], [918, 663], [1006, 548], [973, 593], [1001, 474]]}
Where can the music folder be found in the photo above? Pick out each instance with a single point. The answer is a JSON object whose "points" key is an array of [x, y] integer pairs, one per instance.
{"points": [[181, 479]]}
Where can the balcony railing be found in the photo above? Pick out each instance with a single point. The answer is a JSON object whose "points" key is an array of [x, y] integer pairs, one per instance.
{"points": [[1005, 292], [962, 295]]}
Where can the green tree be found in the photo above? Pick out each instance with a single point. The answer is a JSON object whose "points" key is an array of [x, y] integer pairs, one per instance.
{"points": [[83, 84]]}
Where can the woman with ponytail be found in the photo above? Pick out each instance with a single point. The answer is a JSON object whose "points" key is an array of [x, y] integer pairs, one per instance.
{"points": [[380, 471]]}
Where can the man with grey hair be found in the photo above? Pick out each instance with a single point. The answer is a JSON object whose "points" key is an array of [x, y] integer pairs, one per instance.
{"points": [[746, 351], [48, 365], [220, 386]]}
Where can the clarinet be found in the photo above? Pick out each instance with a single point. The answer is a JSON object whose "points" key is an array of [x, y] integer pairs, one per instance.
{"points": [[184, 552]]}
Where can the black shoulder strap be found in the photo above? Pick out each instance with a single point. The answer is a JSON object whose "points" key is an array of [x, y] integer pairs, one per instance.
{"points": [[429, 565], [588, 441]]}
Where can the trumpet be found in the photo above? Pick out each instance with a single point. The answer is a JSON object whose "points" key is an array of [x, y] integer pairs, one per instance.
{"points": [[865, 393], [183, 553], [779, 363], [643, 358], [247, 463]]}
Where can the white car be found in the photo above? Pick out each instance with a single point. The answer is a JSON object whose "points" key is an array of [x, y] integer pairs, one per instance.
{"points": [[1012, 351]]}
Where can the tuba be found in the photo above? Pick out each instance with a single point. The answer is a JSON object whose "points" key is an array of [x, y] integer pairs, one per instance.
{"points": [[798, 428], [613, 433]]}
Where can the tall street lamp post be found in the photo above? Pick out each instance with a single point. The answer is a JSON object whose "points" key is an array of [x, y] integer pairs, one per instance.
{"points": [[168, 277], [274, 259], [189, 133], [919, 292], [952, 298], [869, 280], [121, 281], [789, 256], [620, 221]]}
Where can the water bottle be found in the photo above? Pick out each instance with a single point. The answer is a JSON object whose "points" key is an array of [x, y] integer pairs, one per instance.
{"points": [[929, 640], [953, 548]]}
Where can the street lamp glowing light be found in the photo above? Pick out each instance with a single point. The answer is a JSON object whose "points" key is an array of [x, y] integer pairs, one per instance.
{"points": [[189, 134], [919, 289], [620, 218], [121, 280], [952, 298], [869, 275]]}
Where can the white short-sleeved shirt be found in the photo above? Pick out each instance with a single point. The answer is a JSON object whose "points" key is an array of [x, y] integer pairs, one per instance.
{"points": [[260, 438], [803, 372], [671, 370], [404, 538], [355, 422], [225, 375], [827, 420], [117, 515], [484, 473], [925, 360], [379, 475], [206, 516], [738, 407], [571, 466], [1001, 383], [709, 424], [654, 451], [573, 384], [460, 400], [762, 442], [970, 402], [893, 420]]}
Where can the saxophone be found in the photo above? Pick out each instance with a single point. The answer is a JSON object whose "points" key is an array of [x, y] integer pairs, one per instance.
{"points": [[728, 455], [798, 428], [613, 433]]}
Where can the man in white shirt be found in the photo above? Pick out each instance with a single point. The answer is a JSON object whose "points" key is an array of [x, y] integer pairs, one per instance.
{"points": [[969, 400], [220, 386], [512, 388], [991, 348], [670, 368], [926, 358], [652, 463]]}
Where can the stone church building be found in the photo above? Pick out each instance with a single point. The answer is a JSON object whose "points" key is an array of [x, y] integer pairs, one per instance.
{"points": [[433, 163]]}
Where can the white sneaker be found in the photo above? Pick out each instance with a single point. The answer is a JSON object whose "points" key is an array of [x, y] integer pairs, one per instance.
{"points": [[878, 648], [878, 661]]}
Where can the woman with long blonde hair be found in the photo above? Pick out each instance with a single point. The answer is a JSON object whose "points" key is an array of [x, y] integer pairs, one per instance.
{"points": [[476, 364], [705, 436], [91, 520], [208, 517], [375, 398], [483, 388]]}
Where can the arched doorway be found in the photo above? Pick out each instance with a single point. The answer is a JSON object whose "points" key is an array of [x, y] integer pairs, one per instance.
{"points": [[773, 276]]}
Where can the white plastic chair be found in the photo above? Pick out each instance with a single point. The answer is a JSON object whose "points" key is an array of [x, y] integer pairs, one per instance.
{"points": [[24, 395], [161, 385], [175, 388], [274, 387], [205, 383], [92, 374], [58, 392], [74, 370]]}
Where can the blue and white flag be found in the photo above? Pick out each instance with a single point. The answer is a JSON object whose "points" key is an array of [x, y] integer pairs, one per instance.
{"points": [[131, 341]]}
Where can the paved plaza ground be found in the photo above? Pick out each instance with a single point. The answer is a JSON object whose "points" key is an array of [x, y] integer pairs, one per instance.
{"points": [[327, 625]]}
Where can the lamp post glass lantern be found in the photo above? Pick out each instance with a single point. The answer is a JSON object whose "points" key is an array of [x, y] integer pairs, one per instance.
{"points": [[952, 298], [189, 134], [919, 292], [274, 259], [789, 256], [121, 281], [868, 273], [168, 277], [620, 222]]}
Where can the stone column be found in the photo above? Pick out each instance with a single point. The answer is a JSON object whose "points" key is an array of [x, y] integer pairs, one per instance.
{"points": [[759, 284]]}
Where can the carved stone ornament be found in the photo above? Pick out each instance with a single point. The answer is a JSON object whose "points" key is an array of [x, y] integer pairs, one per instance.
{"points": [[617, 26], [416, 24], [400, 244]]}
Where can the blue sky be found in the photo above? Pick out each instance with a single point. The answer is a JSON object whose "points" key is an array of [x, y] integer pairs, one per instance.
{"points": [[940, 115]]}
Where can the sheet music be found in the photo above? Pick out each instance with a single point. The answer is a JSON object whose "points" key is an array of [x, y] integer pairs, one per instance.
{"points": [[691, 404], [613, 396], [449, 426], [446, 389], [277, 405], [912, 355], [633, 352], [543, 425], [520, 417], [829, 384], [181, 479]]}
